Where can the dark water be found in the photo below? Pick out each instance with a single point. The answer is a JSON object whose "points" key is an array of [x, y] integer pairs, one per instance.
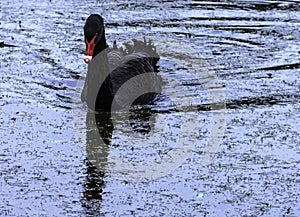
{"points": [[250, 48]]}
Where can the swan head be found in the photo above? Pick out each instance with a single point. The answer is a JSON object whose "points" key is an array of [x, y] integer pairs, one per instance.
{"points": [[94, 37]]}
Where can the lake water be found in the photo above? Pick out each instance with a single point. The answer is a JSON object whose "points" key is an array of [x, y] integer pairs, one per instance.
{"points": [[224, 141]]}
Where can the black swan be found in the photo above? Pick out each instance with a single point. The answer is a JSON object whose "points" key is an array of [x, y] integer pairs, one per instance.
{"points": [[109, 68]]}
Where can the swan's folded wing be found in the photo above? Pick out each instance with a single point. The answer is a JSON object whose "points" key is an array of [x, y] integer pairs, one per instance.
{"points": [[133, 79]]}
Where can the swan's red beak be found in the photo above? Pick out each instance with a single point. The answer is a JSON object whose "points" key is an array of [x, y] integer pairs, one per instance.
{"points": [[90, 46]]}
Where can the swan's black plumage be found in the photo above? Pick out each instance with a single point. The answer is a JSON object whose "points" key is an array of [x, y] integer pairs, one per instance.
{"points": [[115, 66]]}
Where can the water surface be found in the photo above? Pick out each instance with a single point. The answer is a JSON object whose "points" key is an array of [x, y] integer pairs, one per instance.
{"points": [[251, 46]]}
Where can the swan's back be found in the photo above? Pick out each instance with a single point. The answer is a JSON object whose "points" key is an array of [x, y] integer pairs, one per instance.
{"points": [[136, 62]]}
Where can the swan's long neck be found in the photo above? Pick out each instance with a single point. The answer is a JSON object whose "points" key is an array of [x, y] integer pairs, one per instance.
{"points": [[101, 45], [105, 95]]}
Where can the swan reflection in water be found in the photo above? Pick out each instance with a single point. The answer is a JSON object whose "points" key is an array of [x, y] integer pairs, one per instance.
{"points": [[99, 133], [96, 125]]}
